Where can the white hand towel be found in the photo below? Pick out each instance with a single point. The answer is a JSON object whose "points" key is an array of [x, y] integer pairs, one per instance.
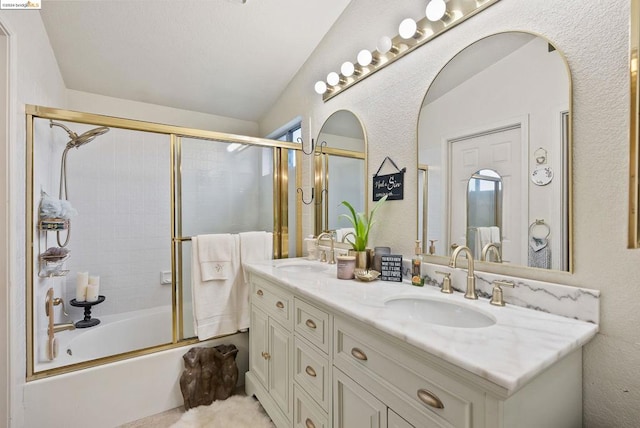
{"points": [[214, 256], [254, 247], [215, 308], [495, 234]]}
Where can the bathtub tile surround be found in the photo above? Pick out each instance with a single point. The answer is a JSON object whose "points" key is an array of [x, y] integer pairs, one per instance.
{"points": [[573, 302]]}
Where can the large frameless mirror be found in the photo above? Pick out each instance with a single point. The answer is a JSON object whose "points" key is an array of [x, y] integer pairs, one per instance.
{"points": [[502, 105], [340, 170]]}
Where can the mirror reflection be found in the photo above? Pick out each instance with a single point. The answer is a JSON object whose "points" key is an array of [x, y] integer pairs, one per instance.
{"points": [[500, 105], [484, 215], [340, 170]]}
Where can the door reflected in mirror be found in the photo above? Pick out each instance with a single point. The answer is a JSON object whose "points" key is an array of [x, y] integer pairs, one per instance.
{"points": [[497, 105], [484, 214], [340, 170]]}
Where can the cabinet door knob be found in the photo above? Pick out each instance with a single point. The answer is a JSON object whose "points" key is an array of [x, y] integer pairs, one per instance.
{"points": [[309, 423], [259, 293], [310, 324], [430, 399], [279, 304], [359, 354], [310, 371], [266, 355]]}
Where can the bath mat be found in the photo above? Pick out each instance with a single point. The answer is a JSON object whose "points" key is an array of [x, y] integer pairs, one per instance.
{"points": [[236, 411]]}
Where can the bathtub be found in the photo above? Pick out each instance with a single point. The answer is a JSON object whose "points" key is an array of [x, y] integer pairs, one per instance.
{"points": [[113, 394], [116, 334]]}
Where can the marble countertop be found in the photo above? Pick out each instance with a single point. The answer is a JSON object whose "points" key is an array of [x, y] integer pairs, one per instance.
{"points": [[519, 346]]}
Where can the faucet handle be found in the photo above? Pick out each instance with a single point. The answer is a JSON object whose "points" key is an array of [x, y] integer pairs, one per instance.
{"points": [[496, 294], [57, 301], [446, 282]]}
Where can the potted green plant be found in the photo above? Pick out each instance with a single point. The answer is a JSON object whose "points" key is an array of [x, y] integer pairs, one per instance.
{"points": [[362, 226]]}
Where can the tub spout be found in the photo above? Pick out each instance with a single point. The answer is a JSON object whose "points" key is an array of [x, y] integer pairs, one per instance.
{"points": [[57, 328]]}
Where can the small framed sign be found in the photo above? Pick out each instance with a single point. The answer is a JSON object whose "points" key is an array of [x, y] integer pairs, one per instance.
{"points": [[391, 267], [391, 185]]}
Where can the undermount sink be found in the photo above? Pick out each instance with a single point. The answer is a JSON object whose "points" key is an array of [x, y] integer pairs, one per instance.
{"points": [[437, 311], [302, 267]]}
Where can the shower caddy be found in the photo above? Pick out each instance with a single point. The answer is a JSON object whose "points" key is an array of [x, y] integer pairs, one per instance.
{"points": [[52, 265]]}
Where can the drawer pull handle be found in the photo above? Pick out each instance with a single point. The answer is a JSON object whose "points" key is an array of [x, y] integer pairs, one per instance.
{"points": [[259, 293], [359, 354], [279, 304], [266, 355], [309, 423], [430, 399], [310, 371], [311, 324]]}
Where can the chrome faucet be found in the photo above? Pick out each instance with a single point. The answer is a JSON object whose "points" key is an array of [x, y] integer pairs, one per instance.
{"points": [[471, 279], [332, 258], [491, 246]]}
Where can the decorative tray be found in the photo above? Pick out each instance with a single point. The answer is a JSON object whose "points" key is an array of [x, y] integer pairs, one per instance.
{"points": [[366, 275]]}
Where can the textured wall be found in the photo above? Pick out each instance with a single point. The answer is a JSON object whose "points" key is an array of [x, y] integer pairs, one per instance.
{"points": [[594, 39]]}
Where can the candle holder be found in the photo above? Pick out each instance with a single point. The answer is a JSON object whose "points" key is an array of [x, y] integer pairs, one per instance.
{"points": [[87, 321]]}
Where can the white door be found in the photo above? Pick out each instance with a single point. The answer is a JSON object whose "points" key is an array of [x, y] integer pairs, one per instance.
{"points": [[500, 150]]}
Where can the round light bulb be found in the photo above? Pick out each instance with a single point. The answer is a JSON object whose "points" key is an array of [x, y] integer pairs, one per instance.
{"points": [[407, 28], [347, 69], [364, 57], [384, 44], [333, 78], [320, 87], [436, 10]]}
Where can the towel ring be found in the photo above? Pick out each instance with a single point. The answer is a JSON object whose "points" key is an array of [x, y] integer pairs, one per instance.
{"points": [[539, 223]]}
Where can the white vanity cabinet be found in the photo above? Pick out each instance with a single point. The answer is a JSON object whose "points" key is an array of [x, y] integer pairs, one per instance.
{"points": [[270, 349], [325, 368]]}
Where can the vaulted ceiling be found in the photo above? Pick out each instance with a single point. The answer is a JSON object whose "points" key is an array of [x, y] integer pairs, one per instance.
{"points": [[224, 57]]}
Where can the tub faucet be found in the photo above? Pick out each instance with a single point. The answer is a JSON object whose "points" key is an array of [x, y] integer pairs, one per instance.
{"points": [[52, 328], [491, 247], [57, 328], [332, 258], [471, 279]]}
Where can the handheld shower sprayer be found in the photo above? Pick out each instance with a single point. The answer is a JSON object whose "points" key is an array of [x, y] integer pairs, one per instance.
{"points": [[76, 141]]}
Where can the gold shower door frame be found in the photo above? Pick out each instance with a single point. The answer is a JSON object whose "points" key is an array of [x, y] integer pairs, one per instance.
{"points": [[175, 133]]}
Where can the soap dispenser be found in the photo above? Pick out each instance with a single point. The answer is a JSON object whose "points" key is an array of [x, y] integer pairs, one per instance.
{"points": [[432, 247], [416, 267]]}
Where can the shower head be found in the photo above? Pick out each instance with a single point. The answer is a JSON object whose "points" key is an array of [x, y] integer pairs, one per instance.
{"points": [[78, 140]]}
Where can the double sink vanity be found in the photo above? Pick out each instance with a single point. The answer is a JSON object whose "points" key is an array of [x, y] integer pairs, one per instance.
{"points": [[336, 353]]}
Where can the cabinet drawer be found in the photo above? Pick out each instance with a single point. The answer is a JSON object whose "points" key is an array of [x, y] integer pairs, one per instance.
{"points": [[312, 324], [306, 413], [272, 299], [311, 372], [410, 385]]}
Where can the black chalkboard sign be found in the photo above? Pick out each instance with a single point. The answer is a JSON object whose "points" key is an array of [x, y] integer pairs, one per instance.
{"points": [[391, 185], [391, 267]]}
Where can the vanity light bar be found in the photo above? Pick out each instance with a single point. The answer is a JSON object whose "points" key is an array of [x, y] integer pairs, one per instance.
{"points": [[440, 15]]}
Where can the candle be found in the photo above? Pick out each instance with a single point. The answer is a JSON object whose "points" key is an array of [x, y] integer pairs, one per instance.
{"points": [[81, 286], [93, 288]]}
